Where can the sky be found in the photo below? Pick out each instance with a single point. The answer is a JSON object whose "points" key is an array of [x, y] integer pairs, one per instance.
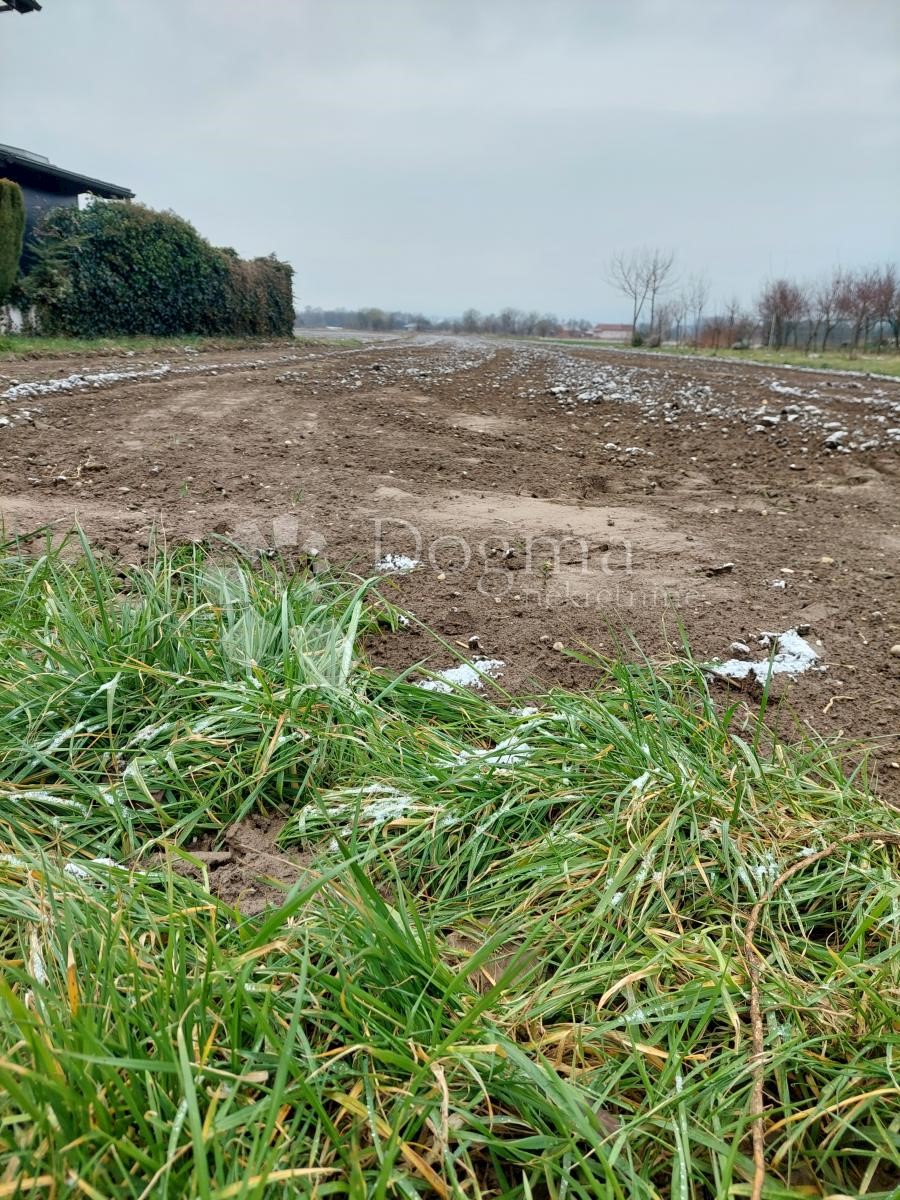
{"points": [[431, 155]]}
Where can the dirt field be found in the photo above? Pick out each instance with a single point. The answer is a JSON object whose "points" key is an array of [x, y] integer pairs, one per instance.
{"points": [[550, 495]]}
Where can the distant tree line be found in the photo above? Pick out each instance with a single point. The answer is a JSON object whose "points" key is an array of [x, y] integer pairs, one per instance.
{"points": [[849, 309], [856, 308], [377, 320], [510, 321]]}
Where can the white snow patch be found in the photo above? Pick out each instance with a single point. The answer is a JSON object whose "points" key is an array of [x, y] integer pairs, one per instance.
{"points": [[388, 808], [45, 797], [465, 675], [506, 753], [397, 564], [640, 783], [79, 871], [378, 803], [793, 656], [76, 871], [148, 732], [762, 873], [36, 967]]}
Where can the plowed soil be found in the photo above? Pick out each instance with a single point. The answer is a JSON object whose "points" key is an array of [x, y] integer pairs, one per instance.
{"points": [[550, 495]]}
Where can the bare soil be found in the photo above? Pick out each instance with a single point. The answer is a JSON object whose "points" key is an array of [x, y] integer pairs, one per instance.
{"points": [[245, 866], [589, 498]]}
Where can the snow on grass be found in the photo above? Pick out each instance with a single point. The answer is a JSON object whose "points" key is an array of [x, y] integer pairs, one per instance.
{"points": [[507, 753]]}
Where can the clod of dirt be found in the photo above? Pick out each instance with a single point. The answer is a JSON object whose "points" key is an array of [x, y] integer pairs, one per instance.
{"points": [[245, 866]]}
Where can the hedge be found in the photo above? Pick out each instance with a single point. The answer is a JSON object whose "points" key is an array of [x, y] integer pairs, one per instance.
{"points": [[120, 268], [12, 231]]}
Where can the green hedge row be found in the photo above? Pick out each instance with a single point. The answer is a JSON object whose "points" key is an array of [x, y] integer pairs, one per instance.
{"points": [[120, 268], [12, 229]]}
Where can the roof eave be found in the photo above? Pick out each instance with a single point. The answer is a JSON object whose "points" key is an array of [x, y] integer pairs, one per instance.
{"points": [[82, 183], [107, 191]]}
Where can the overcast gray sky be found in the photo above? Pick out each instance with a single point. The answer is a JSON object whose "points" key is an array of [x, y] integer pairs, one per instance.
{"points": [[435, 154]]}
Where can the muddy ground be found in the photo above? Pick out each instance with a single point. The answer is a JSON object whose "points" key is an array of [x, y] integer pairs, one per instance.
{"points": [[551, 495]]}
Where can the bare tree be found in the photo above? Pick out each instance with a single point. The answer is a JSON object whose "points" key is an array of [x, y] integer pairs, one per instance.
{"points": [[732, 308], [808, 317], [679, 307], [826, 298], [659, 270], [780, 307], [627, 273], [547, 325], [858, 302], [715, 330], [666, 319], [844, 300], [893, 318], [509, 319], [884, 290], [641, 275], [697, 297]]}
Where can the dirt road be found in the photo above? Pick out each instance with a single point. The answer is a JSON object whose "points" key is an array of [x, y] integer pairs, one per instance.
{"points": [[550, 495]]}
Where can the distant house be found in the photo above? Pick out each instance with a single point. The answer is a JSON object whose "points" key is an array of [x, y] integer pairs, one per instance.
{"points": [[45, 186], [612, 333]]}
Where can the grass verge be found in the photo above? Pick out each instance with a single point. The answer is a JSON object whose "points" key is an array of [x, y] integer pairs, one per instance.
{"points": [[831, 360], [19, 346], [601, 945]]}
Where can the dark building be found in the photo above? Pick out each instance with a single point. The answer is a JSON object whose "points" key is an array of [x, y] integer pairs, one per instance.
{"points": [[45, 186]]}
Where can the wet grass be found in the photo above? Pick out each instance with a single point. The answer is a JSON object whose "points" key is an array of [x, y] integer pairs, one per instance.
{"points": [[603, 944]]}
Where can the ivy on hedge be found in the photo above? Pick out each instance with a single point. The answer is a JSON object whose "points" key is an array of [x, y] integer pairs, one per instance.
{"points": [[12, 229], [118, 267]]}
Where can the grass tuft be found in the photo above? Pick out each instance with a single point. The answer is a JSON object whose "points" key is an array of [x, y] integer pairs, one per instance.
{"points": [[588, 946]]}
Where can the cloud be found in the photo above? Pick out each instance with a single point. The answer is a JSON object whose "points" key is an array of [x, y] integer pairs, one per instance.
{"points": [[436, 155]]}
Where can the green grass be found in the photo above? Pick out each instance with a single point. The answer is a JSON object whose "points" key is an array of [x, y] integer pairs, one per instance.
{"points": [[831, 360], [16, 345], [522, 965]]}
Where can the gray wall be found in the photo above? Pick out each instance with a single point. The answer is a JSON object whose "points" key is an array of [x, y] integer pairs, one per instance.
{"points": [[38, 202]]}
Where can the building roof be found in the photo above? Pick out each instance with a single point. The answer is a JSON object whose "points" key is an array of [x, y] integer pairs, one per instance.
{"points": [[40, 168]]}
